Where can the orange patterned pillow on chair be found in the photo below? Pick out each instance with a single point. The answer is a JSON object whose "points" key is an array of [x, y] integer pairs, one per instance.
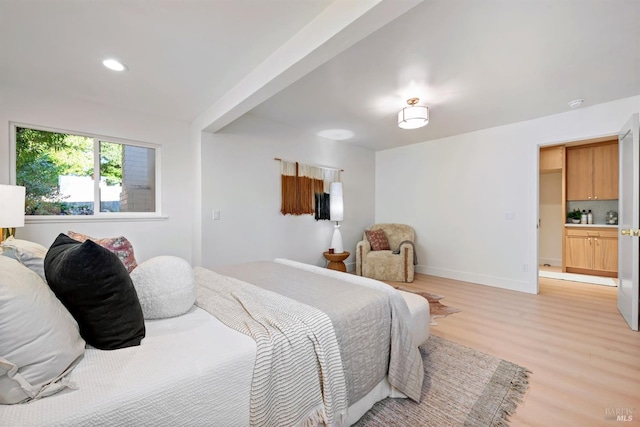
{"points": [[378, 240]]}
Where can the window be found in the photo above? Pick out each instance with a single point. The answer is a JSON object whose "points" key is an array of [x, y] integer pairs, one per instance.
{"points": [[67, 173]]}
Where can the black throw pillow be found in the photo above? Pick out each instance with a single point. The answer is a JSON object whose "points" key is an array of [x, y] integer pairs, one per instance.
{"points": [[96, 289]]}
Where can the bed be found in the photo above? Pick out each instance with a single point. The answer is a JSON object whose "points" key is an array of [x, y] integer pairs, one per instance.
{"points": [[195, 370]]}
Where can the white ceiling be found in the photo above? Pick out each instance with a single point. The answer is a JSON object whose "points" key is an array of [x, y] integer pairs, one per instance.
{"points": [[182, 54], [475, 63]]}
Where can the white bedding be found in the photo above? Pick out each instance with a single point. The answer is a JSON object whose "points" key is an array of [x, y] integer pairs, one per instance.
{"points": [[190, 370]]}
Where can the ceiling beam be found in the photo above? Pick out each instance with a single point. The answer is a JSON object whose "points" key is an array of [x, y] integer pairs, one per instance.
{"points": [[339, 26]]}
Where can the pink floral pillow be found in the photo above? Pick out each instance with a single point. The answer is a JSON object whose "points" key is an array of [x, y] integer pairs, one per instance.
{"points": [[118, 245], [378, 240]]}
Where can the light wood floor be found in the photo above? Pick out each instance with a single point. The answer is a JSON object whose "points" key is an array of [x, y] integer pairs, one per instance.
{"points": [[584, 358]]}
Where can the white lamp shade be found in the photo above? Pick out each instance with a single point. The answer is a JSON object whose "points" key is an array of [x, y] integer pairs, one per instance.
{"points": [[413, 117], [336, 205], [11, 206]]}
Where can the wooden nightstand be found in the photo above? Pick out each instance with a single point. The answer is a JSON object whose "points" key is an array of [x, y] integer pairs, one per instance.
{"points": [[336, 261]]}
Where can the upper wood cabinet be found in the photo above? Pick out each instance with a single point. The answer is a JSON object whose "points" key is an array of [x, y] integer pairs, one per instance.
{"points": [[551, 159], [592, 172], [606, 176]]}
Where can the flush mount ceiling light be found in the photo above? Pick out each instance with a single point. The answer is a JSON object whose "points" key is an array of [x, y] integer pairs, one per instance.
{"points": [[576, 103], [414, 116], [114, 64]]}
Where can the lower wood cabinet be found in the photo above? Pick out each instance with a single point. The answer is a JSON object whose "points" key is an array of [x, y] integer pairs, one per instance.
{"points": [[591, 251]]}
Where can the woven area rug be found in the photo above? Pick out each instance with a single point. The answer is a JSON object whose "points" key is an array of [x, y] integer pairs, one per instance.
{"points": [[436, 308], [462, 387]]}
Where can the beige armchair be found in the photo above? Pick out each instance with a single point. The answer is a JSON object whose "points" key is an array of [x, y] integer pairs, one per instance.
{"points": [[384, 264]]}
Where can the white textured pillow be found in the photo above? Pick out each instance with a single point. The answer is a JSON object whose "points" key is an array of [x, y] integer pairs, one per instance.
{"points": [[28, 253], [39, 340], [165, 287]]}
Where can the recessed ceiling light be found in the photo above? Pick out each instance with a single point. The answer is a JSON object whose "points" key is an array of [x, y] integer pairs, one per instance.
{"points": [[336, 134], [576, 103], [114, 64]]}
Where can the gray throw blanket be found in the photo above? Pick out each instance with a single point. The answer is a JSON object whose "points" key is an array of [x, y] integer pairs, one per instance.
{"points": [[356, 314], [409, 242], [406, 371], [298, 378]]}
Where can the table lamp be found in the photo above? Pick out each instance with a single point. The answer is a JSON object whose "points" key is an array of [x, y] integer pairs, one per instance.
{"points": [[336, 213], [11, 209]]}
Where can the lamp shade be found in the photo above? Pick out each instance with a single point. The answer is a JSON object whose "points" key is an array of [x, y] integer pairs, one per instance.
{"points": [[11, 206], [414, 116], [336, 205]]}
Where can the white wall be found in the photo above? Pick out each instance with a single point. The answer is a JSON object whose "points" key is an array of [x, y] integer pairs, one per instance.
{"points": [[551, 220], [195, 144], [241, 179], [170, 236], [457, 192]]}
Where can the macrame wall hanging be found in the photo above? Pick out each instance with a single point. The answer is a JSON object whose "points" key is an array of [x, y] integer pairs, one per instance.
{"points": [[305, 189]]}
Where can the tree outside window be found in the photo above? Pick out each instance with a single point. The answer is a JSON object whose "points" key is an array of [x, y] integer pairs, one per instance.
{"points": [[58, 171]]}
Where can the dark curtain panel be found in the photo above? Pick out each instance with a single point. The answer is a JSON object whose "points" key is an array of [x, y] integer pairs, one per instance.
{"points": [[322, 206]]}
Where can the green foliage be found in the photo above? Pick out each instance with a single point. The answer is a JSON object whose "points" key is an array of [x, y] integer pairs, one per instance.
{"points": [[111, 162], [575, 214], [36, 168], [41, 157], [76, 157]]}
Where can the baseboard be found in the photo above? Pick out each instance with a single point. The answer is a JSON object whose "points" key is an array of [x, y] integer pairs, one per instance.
{"points": [[553, 262], [351, 267], [573, 277], [480, 279]]}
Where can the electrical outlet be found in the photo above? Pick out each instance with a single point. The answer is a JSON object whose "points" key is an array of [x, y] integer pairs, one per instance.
{"points": [[525, 268], [216, 215]]}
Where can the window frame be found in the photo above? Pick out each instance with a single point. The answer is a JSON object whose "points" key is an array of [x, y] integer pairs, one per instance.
{"points": [[97, 215]]}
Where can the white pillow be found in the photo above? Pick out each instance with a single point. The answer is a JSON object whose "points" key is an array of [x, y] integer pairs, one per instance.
{"points": [[39, 340], [28, 253], [165, 287]]}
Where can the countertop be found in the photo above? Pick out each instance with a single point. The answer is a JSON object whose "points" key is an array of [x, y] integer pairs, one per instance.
{"points": [[592, 225]]}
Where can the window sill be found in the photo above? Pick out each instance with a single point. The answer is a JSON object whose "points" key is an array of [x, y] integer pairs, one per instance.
{"points": [[52, 219]]}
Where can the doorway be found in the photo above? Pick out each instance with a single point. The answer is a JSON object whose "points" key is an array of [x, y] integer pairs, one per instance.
{"points": [[550, 224], [567, 251]]}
